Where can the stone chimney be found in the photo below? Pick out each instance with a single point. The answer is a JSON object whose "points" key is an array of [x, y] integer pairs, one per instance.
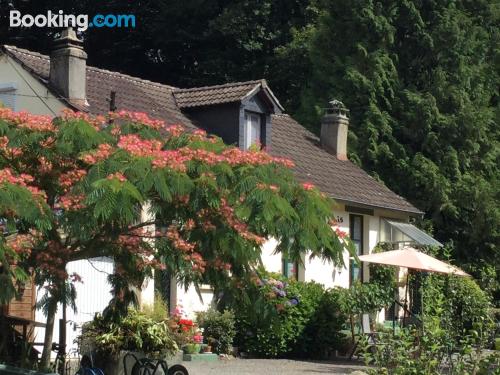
{"points": [[334, 129], [68, 63]]}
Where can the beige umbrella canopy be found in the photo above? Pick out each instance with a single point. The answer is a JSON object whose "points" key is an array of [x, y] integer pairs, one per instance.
{"points": [[412, 258]]}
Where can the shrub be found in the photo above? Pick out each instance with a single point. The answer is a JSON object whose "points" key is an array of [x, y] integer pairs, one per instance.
{"points": [[363, 298], [219, 327], [467, 303], [487, 276], [279, 317], [430, 353], [456, 328], [322, 333], [458, 301], [272, 314], [134, 332], [158, 311]]}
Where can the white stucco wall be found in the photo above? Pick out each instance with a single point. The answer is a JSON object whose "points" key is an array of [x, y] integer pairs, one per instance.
{"points": [[92, 296], [31, 95], [324, 272], [147, 293], [371, 239], [314, 269], [273, 262], [190, 301]]}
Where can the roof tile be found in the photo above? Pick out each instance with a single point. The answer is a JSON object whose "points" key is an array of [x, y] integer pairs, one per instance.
{"points": [[210, 95], [341, 179], [132, 93]]}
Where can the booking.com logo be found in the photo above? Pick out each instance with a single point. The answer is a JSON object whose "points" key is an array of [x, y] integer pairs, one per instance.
{"points": [[79, 22]]}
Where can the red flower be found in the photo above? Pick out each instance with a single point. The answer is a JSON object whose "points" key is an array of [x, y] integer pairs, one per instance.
{"points": [[308, 186]]}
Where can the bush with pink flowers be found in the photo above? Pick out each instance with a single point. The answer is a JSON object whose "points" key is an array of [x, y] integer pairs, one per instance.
{"points": [[272, 313]]}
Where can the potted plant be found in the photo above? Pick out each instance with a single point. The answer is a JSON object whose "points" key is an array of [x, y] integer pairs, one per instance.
{"points": [[137, 332], [208, 348]]}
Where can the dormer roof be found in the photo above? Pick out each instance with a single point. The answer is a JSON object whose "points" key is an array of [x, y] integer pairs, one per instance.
{"points": [[227, 93]]}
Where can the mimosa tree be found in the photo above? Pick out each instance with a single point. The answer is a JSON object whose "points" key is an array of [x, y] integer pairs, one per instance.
{"points": [[149, 196]]}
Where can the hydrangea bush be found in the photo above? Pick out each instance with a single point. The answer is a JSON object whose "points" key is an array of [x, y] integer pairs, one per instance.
{"points": [[272, 313]]}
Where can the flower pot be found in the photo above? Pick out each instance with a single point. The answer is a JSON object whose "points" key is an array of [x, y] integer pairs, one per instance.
{"points": [[191, 348]]}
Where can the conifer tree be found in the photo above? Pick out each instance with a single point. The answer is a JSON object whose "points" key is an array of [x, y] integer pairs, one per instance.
{"points": [[421, 80]]}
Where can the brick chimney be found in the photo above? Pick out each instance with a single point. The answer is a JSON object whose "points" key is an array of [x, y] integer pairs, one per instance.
{"points": [[68, 63], [334, 129]]}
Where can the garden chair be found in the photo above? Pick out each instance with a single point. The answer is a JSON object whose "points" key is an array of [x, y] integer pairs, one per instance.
{"points": [[366, 332], [145, 366]]}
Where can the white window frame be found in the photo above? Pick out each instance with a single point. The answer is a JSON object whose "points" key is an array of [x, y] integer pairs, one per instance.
{"points": [[249, 125]]}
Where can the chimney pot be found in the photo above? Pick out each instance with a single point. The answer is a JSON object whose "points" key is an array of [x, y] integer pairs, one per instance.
{"points": [[68, 65], [334, 129]]}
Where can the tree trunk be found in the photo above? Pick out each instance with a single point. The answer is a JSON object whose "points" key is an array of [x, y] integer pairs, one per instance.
{"points": [[351, 320], [49, 331]]}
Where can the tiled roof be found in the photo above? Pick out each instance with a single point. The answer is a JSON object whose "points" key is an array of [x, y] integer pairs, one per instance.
{"points": [[132, 93], [210, 95], [341, 179]]}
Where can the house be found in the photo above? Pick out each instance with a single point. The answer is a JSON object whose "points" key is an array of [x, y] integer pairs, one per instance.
{"points": [[240, 113]]}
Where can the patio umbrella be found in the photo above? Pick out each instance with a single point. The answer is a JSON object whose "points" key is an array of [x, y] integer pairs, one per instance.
{"points": [[412, 258]]}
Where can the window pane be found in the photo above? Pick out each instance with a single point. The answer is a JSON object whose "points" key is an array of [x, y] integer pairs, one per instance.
{"points": [[356, 234], [356, 228], [8, 99], [385, 231], [357, 245], [290, 269], [252, 129], [255, 130], [355, 272]]}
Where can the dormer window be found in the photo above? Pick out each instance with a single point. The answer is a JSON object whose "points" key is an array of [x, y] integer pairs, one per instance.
{"points": [[252, 129], [240, 113]]}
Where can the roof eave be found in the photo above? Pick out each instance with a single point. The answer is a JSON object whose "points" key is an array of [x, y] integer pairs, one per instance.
{"points": [[278, 108], [411, 211]]}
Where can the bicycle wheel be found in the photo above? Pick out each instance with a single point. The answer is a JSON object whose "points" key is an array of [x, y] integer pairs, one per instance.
{"points": [[177, 370]]}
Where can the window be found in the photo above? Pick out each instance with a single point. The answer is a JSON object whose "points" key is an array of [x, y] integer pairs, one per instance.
{"points": [[290, 269], [252, 129], [356, 234], [8, 95], [392, 231]]}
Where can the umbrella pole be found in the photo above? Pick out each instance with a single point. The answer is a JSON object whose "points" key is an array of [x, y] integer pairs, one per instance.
{"points": [[405, 306], [422, 279], [395, 312]]}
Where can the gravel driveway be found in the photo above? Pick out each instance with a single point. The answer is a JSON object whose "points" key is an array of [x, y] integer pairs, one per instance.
{"points": [[269, 367]]}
